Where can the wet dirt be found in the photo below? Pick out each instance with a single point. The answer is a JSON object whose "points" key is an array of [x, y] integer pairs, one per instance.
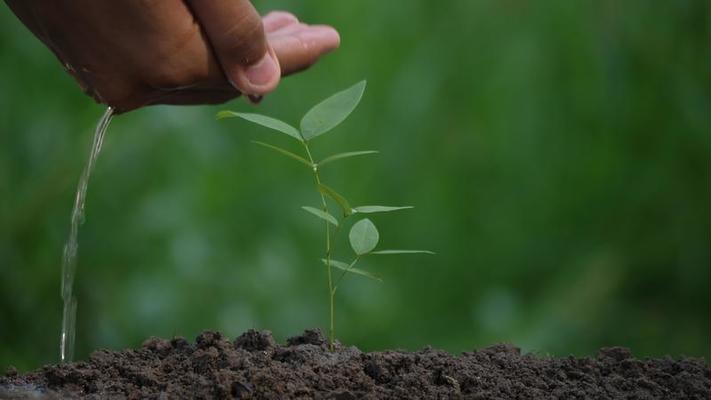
{"points": [[253, 366]]}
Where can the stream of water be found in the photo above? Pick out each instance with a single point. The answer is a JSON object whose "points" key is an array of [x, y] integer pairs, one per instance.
{"points": [[69, 259]]}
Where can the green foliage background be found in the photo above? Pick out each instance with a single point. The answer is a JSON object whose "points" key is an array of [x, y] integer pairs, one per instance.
{"points": [[558, 154]]}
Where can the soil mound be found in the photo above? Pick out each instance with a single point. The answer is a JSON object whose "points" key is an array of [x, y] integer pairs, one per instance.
{"points": [[253, 366]]}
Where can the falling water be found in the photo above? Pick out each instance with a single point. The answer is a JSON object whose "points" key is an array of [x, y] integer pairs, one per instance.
{"points": [[69, 260]]}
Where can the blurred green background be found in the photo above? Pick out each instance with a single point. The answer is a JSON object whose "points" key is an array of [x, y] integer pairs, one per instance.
{"points": [[557, 153]]}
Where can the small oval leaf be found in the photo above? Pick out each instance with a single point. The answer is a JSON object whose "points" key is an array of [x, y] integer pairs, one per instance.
{"points": [[284, 152], [329, 113], [363, 236], [263, 120], [321, 214], [403, 252], [341, 156], [379, 209], [339, 199], [347, 268]]}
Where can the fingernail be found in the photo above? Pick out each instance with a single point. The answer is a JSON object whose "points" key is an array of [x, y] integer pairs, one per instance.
{"points": [[262, 72]]}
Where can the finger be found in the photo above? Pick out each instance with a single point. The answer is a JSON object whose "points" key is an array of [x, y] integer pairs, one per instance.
{"points": [[289, 30], [237, 35], [278, 19], [301, 48]]}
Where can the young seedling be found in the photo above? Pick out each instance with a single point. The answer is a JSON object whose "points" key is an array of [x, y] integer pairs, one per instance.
{"points": [[363, 235]]}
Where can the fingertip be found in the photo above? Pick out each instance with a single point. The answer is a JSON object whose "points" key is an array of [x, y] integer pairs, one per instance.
{"points": [[328, 35], [333, 38], [324, 38]]}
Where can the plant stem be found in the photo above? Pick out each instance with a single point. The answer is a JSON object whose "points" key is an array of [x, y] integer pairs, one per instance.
{"points": [[331, 291]]}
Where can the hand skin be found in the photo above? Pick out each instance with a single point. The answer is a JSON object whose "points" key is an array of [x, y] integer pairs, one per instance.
{"points": [[134, 53]]}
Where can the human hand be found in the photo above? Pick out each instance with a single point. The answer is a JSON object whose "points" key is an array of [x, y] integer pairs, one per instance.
{"points": [[133, 53]]}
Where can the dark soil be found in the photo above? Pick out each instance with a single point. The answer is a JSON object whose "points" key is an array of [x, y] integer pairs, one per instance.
{"points": [[254, 367]]}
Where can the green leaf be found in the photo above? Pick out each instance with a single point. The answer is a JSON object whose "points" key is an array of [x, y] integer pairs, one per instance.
{"points": [[263, 120], [346, 155], [403, 252], [345, 267], [378, 209], [285, 152], [321, 214], [342, 202], [329, 113], [338, 264], [363, 236]]}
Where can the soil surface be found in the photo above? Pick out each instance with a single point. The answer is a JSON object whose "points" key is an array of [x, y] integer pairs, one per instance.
{"points": [[253, 366]]}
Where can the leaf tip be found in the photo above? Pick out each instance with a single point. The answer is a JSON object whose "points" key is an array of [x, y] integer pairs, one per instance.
{"points": [[330, 112]]}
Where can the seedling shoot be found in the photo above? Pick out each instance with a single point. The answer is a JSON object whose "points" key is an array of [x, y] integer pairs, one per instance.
{"points": [[363, 235]]}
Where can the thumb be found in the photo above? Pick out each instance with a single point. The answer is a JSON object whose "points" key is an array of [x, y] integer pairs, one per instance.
{"points": [[235, 31]]}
